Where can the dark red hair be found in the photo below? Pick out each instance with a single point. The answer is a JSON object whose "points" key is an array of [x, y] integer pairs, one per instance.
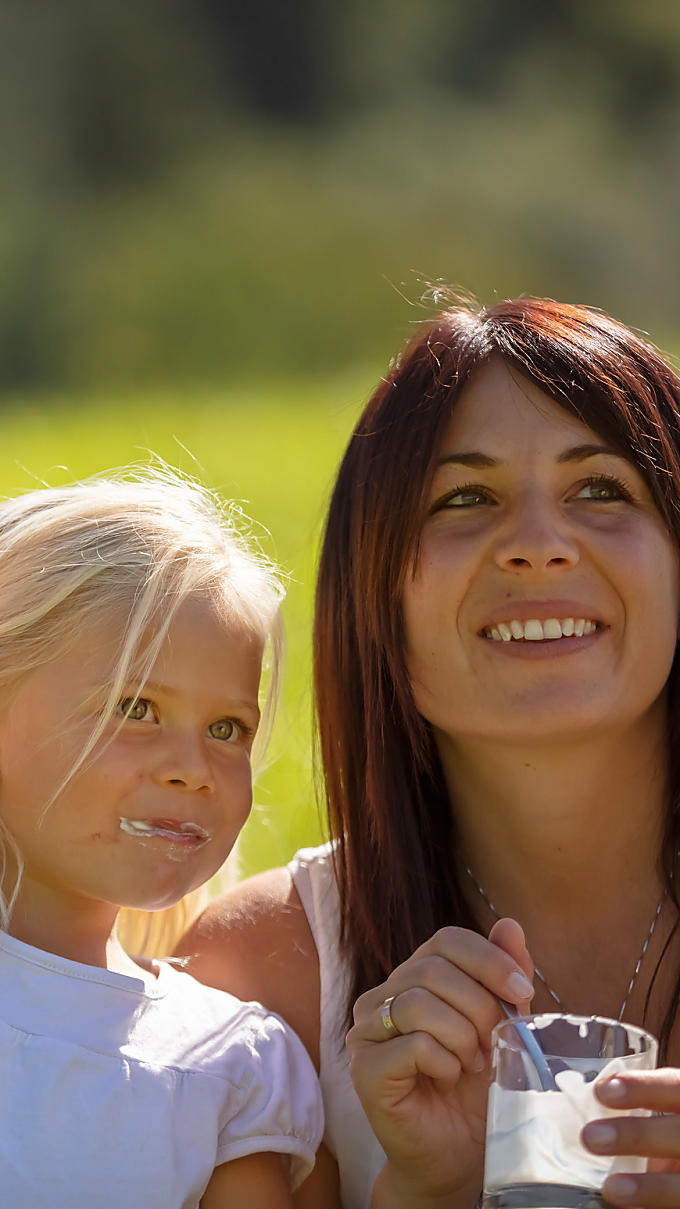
{"points": [[387, 803]]}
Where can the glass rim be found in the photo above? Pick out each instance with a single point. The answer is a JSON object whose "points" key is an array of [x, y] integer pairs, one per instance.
{"points": [[574, 1018]]}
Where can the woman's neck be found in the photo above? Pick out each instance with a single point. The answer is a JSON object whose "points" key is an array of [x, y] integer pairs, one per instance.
{"points": [[560, 827]]}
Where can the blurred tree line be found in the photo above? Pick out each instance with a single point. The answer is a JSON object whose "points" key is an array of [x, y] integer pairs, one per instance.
{"points": [[196, 190]]}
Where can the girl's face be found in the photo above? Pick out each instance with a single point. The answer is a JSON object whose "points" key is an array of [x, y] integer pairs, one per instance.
{"points": [[157, 809], [545, 597]]}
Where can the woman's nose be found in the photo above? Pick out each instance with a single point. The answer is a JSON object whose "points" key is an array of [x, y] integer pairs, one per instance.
{"points": [[183, 764], [536, 537]]}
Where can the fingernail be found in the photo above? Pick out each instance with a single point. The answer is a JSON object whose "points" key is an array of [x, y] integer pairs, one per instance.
{"points": [[519, 986], [600, 1133], [479, 1061], [612, 1090], [622, 1187]]}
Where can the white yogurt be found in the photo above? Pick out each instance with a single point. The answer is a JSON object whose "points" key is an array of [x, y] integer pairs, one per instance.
{"points": [[533, 1136]]}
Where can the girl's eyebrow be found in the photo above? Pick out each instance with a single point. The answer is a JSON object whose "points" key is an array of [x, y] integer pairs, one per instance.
{"points": [[481, 461], [155, 686]]}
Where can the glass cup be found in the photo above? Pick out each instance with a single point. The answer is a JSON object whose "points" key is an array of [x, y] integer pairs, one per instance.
{"points": [[545, 1069]]}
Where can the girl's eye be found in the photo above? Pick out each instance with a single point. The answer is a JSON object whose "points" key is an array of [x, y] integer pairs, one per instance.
{"points": [[603, 487], [467, 496], [226, 730], [139, 709]]}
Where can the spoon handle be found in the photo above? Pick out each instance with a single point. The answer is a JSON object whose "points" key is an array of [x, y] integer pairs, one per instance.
{"points": [[531, 1046]]}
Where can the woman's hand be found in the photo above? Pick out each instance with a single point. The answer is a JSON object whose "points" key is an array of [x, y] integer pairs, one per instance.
{"points": [[424, 1088], [657, 1138]]}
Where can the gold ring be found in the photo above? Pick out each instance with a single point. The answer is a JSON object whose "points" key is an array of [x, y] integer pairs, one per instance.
{"points": [[386, 1018]]}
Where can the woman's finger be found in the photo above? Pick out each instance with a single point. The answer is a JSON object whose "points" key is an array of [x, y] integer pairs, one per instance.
{"points": [[508, 935], [656, 1090], [394, 1068], [437, 966], [653, 1137], [649, 1191], [438, 978], [417, 1010]]}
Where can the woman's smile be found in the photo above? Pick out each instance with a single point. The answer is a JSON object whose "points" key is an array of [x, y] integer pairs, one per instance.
{"points": [[537, 644]]}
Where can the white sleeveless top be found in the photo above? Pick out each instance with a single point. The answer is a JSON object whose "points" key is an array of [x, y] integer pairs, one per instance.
{"points": [[348, 1135]]}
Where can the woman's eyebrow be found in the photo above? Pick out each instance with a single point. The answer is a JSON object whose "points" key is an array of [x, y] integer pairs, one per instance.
{"points": [[480, 461], [580, 452]]}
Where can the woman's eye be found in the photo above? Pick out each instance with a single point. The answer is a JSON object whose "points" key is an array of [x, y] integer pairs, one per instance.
{"points": [[226, 730], [603, 489], [139, 709], [465, 497]]}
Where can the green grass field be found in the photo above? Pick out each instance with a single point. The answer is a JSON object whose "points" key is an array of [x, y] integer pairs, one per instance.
{"points": [[275, 448]]}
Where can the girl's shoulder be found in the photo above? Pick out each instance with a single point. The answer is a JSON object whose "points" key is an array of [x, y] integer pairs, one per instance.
{"points": [[255, 942]]}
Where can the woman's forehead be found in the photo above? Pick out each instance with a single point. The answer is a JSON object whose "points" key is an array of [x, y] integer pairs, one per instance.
{"points": [[501, 411]]}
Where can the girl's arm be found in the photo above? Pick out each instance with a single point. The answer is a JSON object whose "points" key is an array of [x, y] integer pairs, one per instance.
{"points": [[257, 1180]]}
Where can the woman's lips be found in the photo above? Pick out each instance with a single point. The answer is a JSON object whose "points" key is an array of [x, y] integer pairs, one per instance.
{"points": [[545, 648], [534, 629]]}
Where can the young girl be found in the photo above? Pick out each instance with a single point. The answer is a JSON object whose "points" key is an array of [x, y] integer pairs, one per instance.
{"points": [[133, 619]]}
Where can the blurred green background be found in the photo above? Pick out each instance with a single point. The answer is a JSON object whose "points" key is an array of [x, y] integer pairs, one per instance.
{"points": [[216, 222]]}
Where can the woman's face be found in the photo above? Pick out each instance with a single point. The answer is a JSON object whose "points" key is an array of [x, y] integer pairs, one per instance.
{"points": [[545, 598]]}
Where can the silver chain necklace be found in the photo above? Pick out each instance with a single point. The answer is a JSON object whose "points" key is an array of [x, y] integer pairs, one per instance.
{"points": [[544, 980]]}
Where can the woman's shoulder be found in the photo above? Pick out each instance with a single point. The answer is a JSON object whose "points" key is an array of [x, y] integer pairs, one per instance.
{"points": [[255, 942]]}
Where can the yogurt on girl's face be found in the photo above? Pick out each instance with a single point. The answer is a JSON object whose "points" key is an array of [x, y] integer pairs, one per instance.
{"points": [[533, 1137]]}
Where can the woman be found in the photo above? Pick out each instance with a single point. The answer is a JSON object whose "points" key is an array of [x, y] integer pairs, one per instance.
{"points": [[496, 626]]}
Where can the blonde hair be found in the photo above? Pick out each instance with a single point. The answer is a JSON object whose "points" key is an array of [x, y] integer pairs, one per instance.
{"points": [[125, 549]]}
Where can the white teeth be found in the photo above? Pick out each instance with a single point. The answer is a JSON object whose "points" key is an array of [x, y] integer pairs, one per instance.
{"points": [[552, 628], [535, 630]]}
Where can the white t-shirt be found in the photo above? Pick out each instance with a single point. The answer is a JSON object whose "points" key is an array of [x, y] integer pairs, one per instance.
{"points": [[118, 1093]]}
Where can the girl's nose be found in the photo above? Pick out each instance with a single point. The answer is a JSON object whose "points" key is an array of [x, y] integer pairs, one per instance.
{"points": [[536, 537], [184, 765]]}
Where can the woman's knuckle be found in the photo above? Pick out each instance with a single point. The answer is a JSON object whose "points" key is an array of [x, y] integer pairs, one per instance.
{"points": [[450, 937], [363, 1006], [431, 970], [411, 1004], [423, 1045]]}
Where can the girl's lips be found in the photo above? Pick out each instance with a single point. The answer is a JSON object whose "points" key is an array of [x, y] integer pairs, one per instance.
{"points": [[188, 833]]}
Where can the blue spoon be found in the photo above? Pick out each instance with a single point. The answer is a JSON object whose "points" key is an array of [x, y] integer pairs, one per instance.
{"points": [[531, 1046]]}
